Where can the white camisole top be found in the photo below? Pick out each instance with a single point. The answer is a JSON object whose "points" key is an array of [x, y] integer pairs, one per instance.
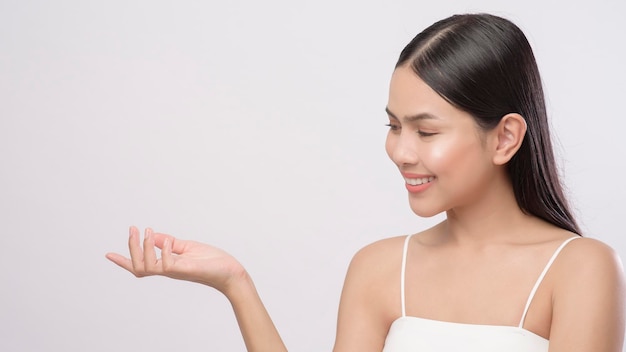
{"points": [[425, 335]]}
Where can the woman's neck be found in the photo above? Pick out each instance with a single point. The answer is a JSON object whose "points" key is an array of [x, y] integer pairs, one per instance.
{"points": [[495, 218]]}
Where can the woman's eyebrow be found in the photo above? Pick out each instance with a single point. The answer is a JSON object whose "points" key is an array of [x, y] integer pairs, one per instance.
{"points": [[411, 118]]}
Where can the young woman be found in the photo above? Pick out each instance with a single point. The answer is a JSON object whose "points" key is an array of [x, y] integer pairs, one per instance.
{"points": [[507, 270]]}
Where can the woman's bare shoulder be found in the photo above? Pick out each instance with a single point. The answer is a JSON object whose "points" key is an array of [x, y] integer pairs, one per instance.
{"points": [[380, 262], [586, 255], [588, 264], [381, 249], [589, 292], [376, 261], [370, 296], [389, 249]]}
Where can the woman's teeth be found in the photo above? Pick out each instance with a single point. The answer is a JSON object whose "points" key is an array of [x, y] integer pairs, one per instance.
{"points": [[419, 181]]}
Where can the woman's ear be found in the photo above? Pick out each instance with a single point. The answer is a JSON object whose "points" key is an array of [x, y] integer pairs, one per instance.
{"points": [[509, 134]]}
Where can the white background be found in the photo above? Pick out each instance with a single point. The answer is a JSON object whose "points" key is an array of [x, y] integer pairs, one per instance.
{"points": [[257, 126]]}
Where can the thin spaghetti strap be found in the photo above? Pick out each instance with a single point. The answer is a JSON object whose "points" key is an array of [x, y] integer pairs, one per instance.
{"points": [[402, 273], [540, 279]]}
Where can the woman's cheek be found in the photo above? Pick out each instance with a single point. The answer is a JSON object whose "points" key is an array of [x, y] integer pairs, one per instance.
{"points": [[450, 153], [438, 155]]}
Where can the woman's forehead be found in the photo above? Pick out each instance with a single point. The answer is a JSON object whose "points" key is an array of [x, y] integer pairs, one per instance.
{"points": [[410, 96]]}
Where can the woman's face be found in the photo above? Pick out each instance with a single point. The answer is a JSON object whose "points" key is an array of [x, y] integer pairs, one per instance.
{"points": [[439, 149]]}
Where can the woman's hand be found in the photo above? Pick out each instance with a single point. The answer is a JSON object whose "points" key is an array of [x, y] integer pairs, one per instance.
{"points": [[198, 262], [183, 260]]}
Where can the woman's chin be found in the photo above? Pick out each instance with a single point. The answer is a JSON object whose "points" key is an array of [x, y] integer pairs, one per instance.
{"points": [[425, 211]]}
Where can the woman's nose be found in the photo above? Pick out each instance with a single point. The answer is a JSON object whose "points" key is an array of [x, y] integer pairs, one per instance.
{"points": [[404, 151]]}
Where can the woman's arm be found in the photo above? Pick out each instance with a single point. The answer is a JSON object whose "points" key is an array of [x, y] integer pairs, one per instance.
{"points": [[370, 300], [201, 263], [588, 299], [257, 328]]}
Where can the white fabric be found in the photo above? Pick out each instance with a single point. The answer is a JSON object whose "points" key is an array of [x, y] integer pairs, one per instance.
{"points": [[424, 335]]}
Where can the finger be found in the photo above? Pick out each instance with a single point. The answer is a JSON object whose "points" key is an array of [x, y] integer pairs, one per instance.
{"points": [[136, 253], [166, 254], [121, 261], [149, 254], [177, 246]]}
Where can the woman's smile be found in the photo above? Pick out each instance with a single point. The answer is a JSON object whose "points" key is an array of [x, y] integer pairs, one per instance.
{"points": [[417, 183]]}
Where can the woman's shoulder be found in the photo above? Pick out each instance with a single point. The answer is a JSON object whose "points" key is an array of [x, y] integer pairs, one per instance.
{"points": [[387, 253], [580, 259], [588, 277], [588, 259], [377, 260], [588, 251], [381, 249], [373, 279], [382, 258], [588, 292]]}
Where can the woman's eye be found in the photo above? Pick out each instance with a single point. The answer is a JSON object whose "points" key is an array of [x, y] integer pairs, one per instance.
{"points": [[393, 127], [425, 134]]}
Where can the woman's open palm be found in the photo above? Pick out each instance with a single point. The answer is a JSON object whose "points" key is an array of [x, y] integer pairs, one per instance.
{"points": [[180, 259]]}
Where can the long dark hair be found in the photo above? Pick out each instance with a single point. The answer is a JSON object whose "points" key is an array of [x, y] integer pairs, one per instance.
{"points": [[484, 65]]}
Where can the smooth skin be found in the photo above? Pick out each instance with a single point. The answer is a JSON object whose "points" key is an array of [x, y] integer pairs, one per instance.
{"points": [[204, 264], [477, 267]]}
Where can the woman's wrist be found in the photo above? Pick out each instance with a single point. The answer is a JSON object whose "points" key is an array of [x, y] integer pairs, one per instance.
{"points": [[255, 323], [239, 287]]}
